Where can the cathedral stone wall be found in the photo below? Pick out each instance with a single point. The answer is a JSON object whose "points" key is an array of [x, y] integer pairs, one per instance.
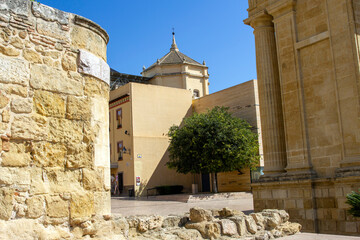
{"points": [[307, 56], [54, 154]]}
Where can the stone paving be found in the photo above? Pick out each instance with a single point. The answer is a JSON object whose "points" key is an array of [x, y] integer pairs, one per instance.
{"points": [[143, 206], [313, 236]]}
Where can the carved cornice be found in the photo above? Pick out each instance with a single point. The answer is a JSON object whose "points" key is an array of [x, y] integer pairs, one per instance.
{"points": [[260, 19], [281, 8]]}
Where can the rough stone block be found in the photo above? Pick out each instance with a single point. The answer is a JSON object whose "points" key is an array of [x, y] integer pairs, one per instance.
{"points": [[63, 181], [6, 205], [49, 104], [35, 206], [17, 42], [102, 203], [93, 180], [5, 116], [17, 90], [47, 78], [53, 54], [83, 38], [3, 100], [200, 215], [18, 156], [33, 127], [56, 207], [78, 108], [19, 176], [38, 185], [94, 66], [82, 205], [259, 219], [14, 71], [79, 156], [32, 56], [240, 224], [21, 105], [9, 51], [63, 130], [250, 224], [15, 6], [94, 87], [69, 63], [52, 29], [47, 154], [50, 14], [228, 227]]}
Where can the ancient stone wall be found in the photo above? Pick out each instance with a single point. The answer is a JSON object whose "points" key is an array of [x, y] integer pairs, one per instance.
{"points": [[54, 154]]}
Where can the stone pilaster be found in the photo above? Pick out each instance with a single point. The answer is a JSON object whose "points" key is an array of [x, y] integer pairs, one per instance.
{"points": [[294, 113], [269, 94]]}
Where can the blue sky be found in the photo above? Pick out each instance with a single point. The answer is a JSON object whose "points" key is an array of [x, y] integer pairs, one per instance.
{"points": [[140, 32]]}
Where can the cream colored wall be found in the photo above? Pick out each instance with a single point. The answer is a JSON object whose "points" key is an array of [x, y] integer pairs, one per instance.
{"points": [[118, 134], [243, 103], [193, 83], [195, 70], [185, 76], [171, 68], [155, 110], [240, 99], [174, 81]]}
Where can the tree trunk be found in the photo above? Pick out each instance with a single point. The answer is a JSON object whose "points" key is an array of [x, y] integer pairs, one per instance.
{"points": [[215, 183]]}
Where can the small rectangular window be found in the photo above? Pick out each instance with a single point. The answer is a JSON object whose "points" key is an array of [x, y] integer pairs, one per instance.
{"points": [[196, 93], [120, 150], [119, 118]]}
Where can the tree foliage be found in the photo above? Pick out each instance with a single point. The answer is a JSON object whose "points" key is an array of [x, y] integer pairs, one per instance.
{"points": [[353, 199], [212, 142]]}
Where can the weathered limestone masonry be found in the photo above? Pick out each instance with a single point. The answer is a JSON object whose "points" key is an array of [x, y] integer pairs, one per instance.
{"points": [[54, 154], [308, 76]]}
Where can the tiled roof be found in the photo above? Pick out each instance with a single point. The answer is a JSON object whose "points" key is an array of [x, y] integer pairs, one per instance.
{"points": [[174, 57]]}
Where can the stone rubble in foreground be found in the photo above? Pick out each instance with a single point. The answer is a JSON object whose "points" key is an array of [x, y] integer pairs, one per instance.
{"points": [[198, 224]]}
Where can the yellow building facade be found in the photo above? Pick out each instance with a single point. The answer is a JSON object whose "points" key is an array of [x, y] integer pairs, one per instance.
{"points": [[140, 117], [143, 108]]}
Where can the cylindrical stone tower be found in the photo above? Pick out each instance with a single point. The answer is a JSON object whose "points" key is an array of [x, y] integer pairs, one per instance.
{"points": [[54, 149]]}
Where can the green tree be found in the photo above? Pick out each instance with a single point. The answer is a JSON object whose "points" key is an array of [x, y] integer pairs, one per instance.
{"points": [[353, 199], [212, 142]]}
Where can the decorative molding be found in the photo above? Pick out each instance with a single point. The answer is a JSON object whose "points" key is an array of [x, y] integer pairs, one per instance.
{"points": [[312, 40], [281, 7]]}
